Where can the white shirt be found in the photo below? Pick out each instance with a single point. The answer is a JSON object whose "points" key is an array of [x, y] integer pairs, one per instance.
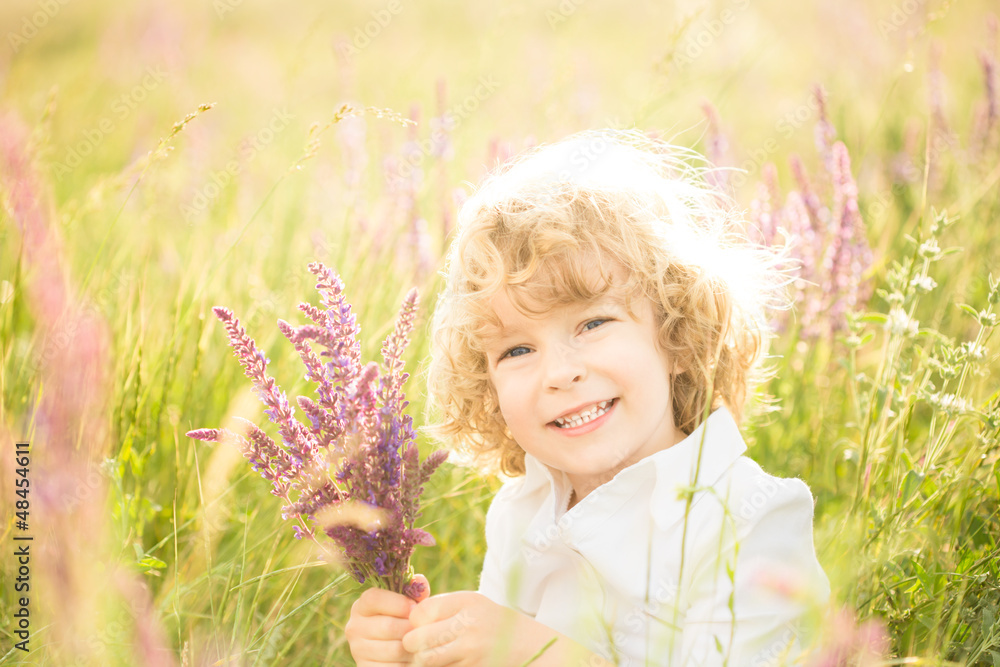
{"points": [[611, 572]]}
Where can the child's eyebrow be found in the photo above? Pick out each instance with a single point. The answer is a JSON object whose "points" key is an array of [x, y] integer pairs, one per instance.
{"points": [[611, 298], [615, 297], [495, 334]]}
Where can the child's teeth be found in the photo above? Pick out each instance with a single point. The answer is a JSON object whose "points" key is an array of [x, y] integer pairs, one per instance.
{"points": [[585, 416]]}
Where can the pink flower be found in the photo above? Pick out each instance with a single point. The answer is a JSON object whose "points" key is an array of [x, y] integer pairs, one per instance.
{"points": [[849, 643]]}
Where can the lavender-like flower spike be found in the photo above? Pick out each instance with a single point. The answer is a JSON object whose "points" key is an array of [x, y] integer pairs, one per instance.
{"points": [[339, 319], [717, 148], [392, 351], [417, 475], [272, 462], [823, 233], [826, 241], [357, 457], [314, 367], [209, 434], [254, 363], [825, 134], [814, 207], [326, 428], [259, 449], [854, 254]]}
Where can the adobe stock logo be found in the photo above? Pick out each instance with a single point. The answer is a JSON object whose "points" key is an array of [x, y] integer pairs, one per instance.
{"points": [[363, 35], [248, 149], [767, 488], [31, 25], [121, 108], [451, 119]]}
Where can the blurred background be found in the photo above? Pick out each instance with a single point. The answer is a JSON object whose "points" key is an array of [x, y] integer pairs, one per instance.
{"points": [[158, 159]]}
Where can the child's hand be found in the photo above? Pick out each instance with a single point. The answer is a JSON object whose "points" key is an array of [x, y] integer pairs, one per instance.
{"points": [[467, 629], [379, 619], [459, 628]]}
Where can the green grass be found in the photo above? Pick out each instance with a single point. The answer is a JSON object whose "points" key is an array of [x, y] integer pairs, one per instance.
{"points": [[912, 539]]}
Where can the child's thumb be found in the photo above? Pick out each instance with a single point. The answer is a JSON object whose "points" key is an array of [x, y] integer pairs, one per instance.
{"points": [[420, 588]]}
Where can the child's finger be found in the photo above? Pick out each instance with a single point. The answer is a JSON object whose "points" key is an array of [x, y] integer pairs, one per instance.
{"points": [[378, 602], [436, 607], [375, 652], [430, 637], [427, 587], [441, 656], [387, 627]]}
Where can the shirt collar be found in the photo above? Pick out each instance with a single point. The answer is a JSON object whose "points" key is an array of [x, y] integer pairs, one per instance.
{"points": [[540, 477], [696, 462]]}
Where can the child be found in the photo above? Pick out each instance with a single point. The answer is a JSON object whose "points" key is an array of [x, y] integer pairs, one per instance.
{"points": [[600, 329]]}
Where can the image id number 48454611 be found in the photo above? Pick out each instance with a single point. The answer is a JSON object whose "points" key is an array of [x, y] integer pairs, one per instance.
{"points": [[22, 550]]}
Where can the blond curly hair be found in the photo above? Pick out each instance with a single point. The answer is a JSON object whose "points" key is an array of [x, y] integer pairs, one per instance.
{"points": [[551, 226]]}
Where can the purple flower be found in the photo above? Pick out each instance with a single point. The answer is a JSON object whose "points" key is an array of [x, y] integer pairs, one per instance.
{"points": [[354, 472], [824, 232], [415, 589], [717, 147], [824, 132]]}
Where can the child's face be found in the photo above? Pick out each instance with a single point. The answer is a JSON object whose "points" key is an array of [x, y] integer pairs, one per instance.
{"points": [[584, 388]]}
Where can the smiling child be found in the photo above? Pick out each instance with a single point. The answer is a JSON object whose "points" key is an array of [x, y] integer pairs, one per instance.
{"points": [[602, 325]]}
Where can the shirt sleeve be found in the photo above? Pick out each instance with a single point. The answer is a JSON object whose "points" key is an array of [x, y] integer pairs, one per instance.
{"points": [[750, 596]]}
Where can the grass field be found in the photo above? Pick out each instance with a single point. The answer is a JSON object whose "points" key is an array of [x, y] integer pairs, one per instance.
{"points": [[158, 159]]}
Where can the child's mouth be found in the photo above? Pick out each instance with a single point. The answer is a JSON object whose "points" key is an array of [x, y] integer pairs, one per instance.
{"points": [[585, 416]]}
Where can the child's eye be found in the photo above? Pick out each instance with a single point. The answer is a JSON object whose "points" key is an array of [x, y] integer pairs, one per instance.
{"points": [[517, 351], [593, 324]]}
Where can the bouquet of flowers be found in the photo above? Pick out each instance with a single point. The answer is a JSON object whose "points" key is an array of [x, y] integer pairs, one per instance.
{"points": [[353, 472]]}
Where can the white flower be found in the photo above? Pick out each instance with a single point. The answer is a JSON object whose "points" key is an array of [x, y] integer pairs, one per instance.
{"points": [[900, 323], [923, 283], [949, 403], [973, 350], [930, 249]]}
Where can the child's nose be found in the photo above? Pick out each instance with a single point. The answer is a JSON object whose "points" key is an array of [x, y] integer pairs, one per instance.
{"points": [[564, 368]]}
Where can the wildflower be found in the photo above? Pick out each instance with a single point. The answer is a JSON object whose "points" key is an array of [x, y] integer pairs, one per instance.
{"points": [[853, 340], [949, 403], [354, 472], [989, 110], [442, 147], [817, 214], [923, 284], [972, 350], [765, 209], [900, 323], [929, 250], [717, 147], [824, 132], [851, 643], [849, 254], [895, 298], [420, 247], [826, 242]]}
